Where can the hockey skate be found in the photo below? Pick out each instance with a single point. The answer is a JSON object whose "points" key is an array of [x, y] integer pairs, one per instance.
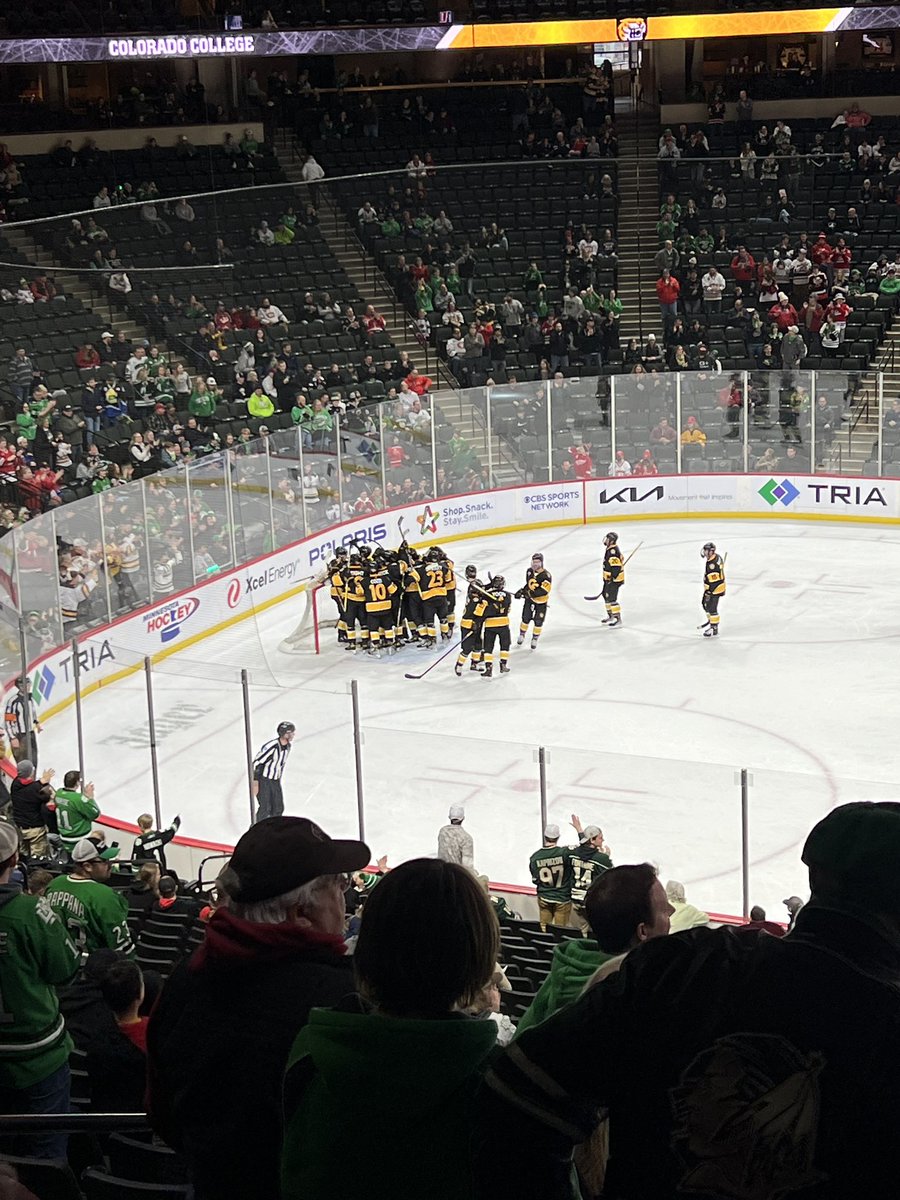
{"points": [[475, 666], [712, 631], [488, 671], [606, 620], [534, 643], [520, 639], [504, 668], [615, 621], [458, 670]]}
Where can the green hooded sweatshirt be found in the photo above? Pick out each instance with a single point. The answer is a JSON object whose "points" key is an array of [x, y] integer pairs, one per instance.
{"points": [[414, 1136], [574, 962]]}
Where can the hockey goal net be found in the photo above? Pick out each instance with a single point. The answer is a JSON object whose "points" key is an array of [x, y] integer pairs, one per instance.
{"points": [[318, 620]]}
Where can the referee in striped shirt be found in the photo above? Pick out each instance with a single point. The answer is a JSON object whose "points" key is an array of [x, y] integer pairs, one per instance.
{"points": [[268, 768], [20, 731]]}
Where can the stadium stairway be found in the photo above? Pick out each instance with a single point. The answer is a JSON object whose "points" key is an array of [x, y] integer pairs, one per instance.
{"points": [[74, 284], [855, 446], [638, 214]]}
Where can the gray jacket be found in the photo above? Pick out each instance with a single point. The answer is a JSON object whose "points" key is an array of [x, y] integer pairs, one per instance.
{"points": [[456, 846]]}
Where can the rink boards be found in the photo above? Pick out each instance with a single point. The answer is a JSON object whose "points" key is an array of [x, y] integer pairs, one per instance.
{"points": [[183, 619]]}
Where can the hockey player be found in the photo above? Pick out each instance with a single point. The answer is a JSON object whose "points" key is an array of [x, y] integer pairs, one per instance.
{"points": [[379, 599], [713, 589], [470, 626], [411, 606], [450, 591], [337, 568], [354, 599], [433, 591], [535, 593], [496, 625], [613, 578], [551, 874]]}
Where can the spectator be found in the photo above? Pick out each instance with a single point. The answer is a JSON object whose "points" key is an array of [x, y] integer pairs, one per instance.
{"points": [[663, 434], [738, 992], [624, 907], [30, 798], [713, 289], [117, 1063], [683, 915], [793, 349], [692, 434], [273, 951], [20, 374], [455, 844], [38, 958], [94, 914], [645, 465], [143, 893], [667, 291], [589, 860], [76, 810], [619, 467], [170, 902], [427, 947]]}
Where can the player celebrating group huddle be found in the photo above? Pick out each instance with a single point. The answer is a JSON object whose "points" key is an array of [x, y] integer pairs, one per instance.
{"points": [[470, 625], [535, 593]]}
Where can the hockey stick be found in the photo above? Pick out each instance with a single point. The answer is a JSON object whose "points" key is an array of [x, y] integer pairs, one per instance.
{"points": [[440, 658], [627, 560]]}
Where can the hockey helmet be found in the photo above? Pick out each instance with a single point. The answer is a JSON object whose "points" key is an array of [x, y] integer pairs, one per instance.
{"points": [[365, 550], [611, 539], [340, 552], [285, 727], [498, 581], [355, 560], [471, 572], [709, 548]]}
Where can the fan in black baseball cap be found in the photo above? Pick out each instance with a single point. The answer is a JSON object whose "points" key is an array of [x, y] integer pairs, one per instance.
{"points": [[282, 853]]}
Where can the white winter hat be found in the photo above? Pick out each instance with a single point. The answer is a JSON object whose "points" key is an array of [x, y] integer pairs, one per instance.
{"points": [[551, 833], [457, 812]]}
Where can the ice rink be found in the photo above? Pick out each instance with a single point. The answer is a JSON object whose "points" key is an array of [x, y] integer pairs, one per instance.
{"points": [[646, 726]]}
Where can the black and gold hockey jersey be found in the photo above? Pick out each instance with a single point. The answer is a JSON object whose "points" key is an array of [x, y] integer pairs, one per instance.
{"points": [[476, 603], [714, 576], [355, 585], [613, 565], [538, 585], [431, 580], [379, 591], [496, 612]]}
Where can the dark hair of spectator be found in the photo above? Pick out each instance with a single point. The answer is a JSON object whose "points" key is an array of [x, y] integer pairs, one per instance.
{"points": [[616, 903], [121, 985], [71, 779], [428, 940]]}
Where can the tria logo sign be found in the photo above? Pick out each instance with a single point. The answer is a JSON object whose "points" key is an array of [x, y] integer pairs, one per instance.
{"points": [[630, 495], [168, 619], [785, 493], [42, 686], [89, 659], [774, 492]]}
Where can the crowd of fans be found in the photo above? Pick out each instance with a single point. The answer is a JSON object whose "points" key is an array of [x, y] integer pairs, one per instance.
{"points": [[311, 972]]}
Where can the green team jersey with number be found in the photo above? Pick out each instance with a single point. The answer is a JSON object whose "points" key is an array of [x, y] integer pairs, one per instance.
{"points": [[36, 956], [587, 865], [74, 814], [94, 915], [551, 874]]}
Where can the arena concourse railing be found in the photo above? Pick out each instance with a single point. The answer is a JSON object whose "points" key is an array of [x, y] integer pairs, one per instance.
{"points": [[182, 555]]}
